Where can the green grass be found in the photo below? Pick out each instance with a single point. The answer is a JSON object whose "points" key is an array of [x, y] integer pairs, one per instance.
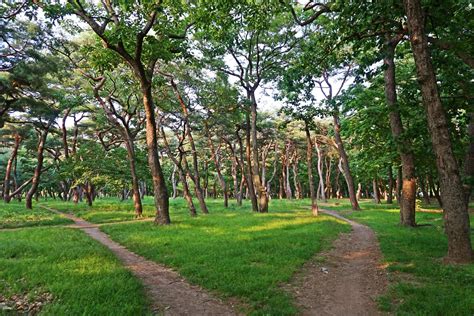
{"points": [[108, 210], [15, 215], [234, 252], [83, 277], [422, 284]]}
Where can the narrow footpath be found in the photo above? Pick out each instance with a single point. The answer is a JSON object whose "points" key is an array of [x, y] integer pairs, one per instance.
{"points": [[347, 281], [168, 292]]}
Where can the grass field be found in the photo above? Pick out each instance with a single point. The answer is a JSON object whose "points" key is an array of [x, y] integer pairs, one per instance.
{"points": [[421, 283], [67, 272], [234, 252], [15, 214]]}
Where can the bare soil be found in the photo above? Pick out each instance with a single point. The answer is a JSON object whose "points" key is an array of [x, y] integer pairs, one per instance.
{"points": [[168, 292], [345, 280]]}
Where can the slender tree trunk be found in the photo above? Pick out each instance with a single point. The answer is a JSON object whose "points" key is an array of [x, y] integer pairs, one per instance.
{"points": [[376, 191], [137, 201], [196, 177], [159, 185], [261, 190], [174, 182], [309, 160], [320, 172], [64, 134], [39, 166], [248, 157], [359, 191], [345, 163], [424, 191], [455, 206], [216, 159], [296, 182], [404, 146], [8, 170], [328, 177], [390, 186], [178, 165]]}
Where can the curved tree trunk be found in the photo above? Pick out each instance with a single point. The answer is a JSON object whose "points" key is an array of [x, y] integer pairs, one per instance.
{"points": [[261, 190], [39, 166], [321, 185], [309, 160], [159, 185], [6, 183], [455, 206], [404, 146], [345, 164], [248, 157]]}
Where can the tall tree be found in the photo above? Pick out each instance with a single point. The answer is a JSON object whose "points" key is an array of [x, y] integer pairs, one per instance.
{"points": [[455, 205]]}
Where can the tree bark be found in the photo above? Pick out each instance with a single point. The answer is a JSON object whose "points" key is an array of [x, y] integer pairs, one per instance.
{"points": [[248, 157], [216, 161], [455, 206], [261, 190], [196, 178], [6, 183], [404, 146], [390, 186], [309, 160], [39, 166], [345, 163], [376, 191], [159, 186], [321, 185]]}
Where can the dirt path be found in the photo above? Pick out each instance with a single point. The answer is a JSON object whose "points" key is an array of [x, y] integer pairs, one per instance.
{"points": [[168, 292], [347, 281]]}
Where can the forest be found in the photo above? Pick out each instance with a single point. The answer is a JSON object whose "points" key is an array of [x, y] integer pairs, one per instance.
{"points": [[236, 157]]}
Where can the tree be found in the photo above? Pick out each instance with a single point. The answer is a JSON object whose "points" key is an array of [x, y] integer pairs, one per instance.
{"points": [[452, 192], [125, 30]]}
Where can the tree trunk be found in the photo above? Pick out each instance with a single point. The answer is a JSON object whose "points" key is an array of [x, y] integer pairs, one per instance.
{"points": [[404, 146], [390, 186], [455, 206], [196, 178], [8, 170], [174, 182], [261, 190], [39, 166], [216, 161], [309, 160], [159, 185], [321, 185], [328, 177], [345, 163], [424, 191], [248, 157], [64, 133], [137, 201], [359, 191], [376, 191]]}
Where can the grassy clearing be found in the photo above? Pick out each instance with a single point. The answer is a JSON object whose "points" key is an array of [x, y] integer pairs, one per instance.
{"points": [[104, 210], [235, 252], [422, 285], [83, 277], [15, 215]]}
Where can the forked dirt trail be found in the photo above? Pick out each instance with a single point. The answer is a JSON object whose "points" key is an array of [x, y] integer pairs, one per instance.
{"points": [[347, 281], [168, 292]]}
